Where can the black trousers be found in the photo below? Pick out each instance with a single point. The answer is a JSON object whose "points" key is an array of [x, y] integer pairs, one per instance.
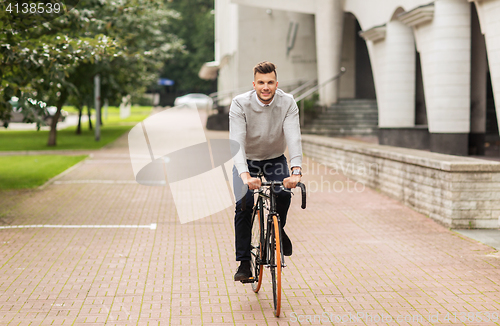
{"points": [[275, 169]]}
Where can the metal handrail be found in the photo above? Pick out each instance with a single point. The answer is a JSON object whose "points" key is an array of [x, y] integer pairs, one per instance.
{"points": [[216, 95], [315, 88], [303, 86]]}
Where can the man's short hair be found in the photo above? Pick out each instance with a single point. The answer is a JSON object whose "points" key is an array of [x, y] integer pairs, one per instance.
{"points": [[265, 67]]}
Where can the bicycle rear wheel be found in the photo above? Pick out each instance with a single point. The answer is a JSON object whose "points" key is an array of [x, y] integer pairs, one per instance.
{"points": [[275, 263], [256, 251]]}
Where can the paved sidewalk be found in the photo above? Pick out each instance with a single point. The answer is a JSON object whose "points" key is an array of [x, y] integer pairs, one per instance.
{"points": [[355, 252]]}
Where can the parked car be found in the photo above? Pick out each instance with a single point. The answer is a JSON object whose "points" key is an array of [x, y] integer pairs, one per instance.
{"points": [[201, 101], [18, 116], [17, 112]]}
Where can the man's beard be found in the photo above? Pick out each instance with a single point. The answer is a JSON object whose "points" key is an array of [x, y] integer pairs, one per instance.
{"points": [[262, 100]]}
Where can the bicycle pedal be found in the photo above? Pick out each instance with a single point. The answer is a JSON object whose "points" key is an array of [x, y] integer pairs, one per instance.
{"points": [[250, 280]]}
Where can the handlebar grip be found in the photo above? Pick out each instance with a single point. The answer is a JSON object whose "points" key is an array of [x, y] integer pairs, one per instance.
{"points": [[303, 192], [244, 190]]}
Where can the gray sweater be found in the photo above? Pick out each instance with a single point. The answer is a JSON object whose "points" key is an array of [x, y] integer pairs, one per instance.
{"points": [[264, 132]]}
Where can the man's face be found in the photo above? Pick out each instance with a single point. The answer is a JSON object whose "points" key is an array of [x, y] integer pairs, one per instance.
{"points": [[265, 85]]}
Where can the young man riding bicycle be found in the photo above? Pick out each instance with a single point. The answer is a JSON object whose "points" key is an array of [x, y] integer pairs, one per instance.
{"points": [[263, 122]]}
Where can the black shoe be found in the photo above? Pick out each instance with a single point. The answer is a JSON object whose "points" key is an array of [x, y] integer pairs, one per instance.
{"points": [[243, 273], [287, 244]]}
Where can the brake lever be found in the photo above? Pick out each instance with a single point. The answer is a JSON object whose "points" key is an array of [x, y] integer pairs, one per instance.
{"points": [[286, 190]]}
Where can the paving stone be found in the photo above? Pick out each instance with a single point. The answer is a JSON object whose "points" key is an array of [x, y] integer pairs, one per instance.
{"points": [[355, 251]]}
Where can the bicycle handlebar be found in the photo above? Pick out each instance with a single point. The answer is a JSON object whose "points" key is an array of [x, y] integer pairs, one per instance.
{"points": [[303, 192], [302, 187]]}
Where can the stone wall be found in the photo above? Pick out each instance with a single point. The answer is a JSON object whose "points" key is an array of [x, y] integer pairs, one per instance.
{"points": [[459, 192]]}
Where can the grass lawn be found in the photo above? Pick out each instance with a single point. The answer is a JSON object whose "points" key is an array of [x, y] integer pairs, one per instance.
{"points": [[20, 172], [26, 140], [114, 113], [113, 127]]}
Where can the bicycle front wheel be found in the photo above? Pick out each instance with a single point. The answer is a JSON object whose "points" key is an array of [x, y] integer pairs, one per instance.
{"points": [[256, 251], [275, 263]]}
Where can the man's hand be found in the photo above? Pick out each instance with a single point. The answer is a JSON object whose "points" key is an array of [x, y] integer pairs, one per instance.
{"points": [[291, 182], [253, 183]]}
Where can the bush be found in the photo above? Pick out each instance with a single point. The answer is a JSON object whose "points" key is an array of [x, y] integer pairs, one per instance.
{"points": [[311, 107]]}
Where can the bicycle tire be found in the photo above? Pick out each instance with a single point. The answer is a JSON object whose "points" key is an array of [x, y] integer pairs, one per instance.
{"points": [[256, 251], [275, 262]]}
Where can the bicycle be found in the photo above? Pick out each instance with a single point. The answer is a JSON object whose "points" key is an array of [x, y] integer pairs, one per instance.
{"points": [[266, 241]]}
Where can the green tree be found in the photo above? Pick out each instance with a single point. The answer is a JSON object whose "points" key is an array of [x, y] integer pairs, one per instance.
{"points": [[36, 60], [195, 26], [53, 61], [141, 27]]}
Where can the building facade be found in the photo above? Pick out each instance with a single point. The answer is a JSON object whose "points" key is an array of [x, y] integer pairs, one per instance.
{"points": [[433, 67]]}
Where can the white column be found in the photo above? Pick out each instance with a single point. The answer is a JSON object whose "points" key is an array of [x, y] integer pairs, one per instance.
{"points": [[398, 106], [488, 12], [376, 51], [448, 65], [226, 47], [329, 26]]}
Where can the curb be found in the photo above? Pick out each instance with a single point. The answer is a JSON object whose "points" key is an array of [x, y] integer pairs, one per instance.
{"points": [[63, 173]]}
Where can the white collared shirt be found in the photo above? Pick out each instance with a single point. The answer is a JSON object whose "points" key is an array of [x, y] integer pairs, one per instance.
{"points": [[262, 104]]}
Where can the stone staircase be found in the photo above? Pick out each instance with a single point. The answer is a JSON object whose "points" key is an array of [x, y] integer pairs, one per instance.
{"points": [[348, 117]]}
